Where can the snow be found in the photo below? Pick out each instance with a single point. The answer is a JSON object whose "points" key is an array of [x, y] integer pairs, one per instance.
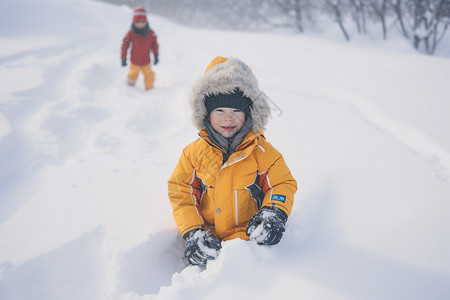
{"points": [[85, 158]]}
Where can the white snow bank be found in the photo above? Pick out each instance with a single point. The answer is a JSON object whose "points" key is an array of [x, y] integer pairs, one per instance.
{"points": [[85, 158]]}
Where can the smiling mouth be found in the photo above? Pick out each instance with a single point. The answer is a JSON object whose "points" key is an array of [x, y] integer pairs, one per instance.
{"points": [[228, 128]]}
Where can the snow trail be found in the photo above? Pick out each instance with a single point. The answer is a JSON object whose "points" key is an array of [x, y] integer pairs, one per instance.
{"points": [[436, 157]]}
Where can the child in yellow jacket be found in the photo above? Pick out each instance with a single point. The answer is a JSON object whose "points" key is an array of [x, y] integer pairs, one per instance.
{"points": [[230, 182]]}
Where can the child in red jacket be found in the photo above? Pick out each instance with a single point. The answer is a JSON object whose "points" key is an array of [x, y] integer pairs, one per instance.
{"points": [[143, 41]]}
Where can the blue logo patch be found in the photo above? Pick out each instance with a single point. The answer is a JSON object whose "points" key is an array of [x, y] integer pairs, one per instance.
{"points": [[281, 198]]}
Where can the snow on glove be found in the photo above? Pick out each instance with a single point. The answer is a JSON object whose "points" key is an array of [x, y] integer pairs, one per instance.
{"points": [[124, 62], [267, 226], [201, 246]]}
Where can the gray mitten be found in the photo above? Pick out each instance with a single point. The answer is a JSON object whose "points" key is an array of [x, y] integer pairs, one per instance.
{"points": [[267, 226], [201, 246]]}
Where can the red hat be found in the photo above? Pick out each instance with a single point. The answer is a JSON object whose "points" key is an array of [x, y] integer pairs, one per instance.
{"points": [[139, 14]]}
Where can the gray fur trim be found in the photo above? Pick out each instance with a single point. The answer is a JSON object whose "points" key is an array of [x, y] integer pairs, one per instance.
{"points": [[224, 78]]}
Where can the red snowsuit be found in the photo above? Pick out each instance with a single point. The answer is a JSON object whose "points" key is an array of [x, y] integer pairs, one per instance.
{"points": [[140, 48]]}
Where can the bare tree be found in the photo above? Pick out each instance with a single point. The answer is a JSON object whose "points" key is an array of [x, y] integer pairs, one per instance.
{"points": [[430, 20], [379, 8], [441, 24], [336, 9], [398, 6], [295, 8], [358, 13]]}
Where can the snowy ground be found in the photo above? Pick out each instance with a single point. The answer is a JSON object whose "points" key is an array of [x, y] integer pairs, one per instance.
{"points": [[84, 161]]}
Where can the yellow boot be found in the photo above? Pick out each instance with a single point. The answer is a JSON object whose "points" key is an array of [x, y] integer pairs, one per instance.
{"points": [[133, 74], [149, 77]]}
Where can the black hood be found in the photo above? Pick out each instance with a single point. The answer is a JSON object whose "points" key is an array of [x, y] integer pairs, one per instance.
{"points": [[141, 31]]}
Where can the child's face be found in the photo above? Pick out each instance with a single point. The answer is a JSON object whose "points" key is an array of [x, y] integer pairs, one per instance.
{"points": [[227, 121], [140, 24]]}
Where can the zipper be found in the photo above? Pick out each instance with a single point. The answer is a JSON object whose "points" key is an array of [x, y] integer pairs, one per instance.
{"points": [[236, 206], [232, 163]]}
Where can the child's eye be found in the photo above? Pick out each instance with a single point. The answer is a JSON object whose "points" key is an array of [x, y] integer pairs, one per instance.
{"points": [[237, 110], [219, 110]]}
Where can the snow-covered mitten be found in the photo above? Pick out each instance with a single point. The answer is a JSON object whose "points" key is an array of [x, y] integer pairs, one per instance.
{"points": [[267, 226], [201, 246]]}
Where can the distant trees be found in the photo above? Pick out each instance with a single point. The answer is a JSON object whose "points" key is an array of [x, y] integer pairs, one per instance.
{"points": [[297, 11], [358, 12], [423, 22], [380, 10], [337, 8], [428, 22]]}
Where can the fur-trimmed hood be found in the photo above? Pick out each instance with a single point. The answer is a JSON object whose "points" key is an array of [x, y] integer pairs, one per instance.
{"points": [[224, 75]]}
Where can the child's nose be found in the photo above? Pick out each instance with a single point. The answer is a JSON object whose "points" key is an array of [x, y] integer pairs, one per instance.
{"points": [[228, 117]]}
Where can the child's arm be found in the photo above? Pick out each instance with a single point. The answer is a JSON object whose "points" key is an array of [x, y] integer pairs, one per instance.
{"points": [[268, 225], [155, 46], [277, 182], [125, 44], [184, 196]]}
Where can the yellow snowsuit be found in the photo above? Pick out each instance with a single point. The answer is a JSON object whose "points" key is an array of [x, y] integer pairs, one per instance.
{"points": [[149, 75], [223, 198]]}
